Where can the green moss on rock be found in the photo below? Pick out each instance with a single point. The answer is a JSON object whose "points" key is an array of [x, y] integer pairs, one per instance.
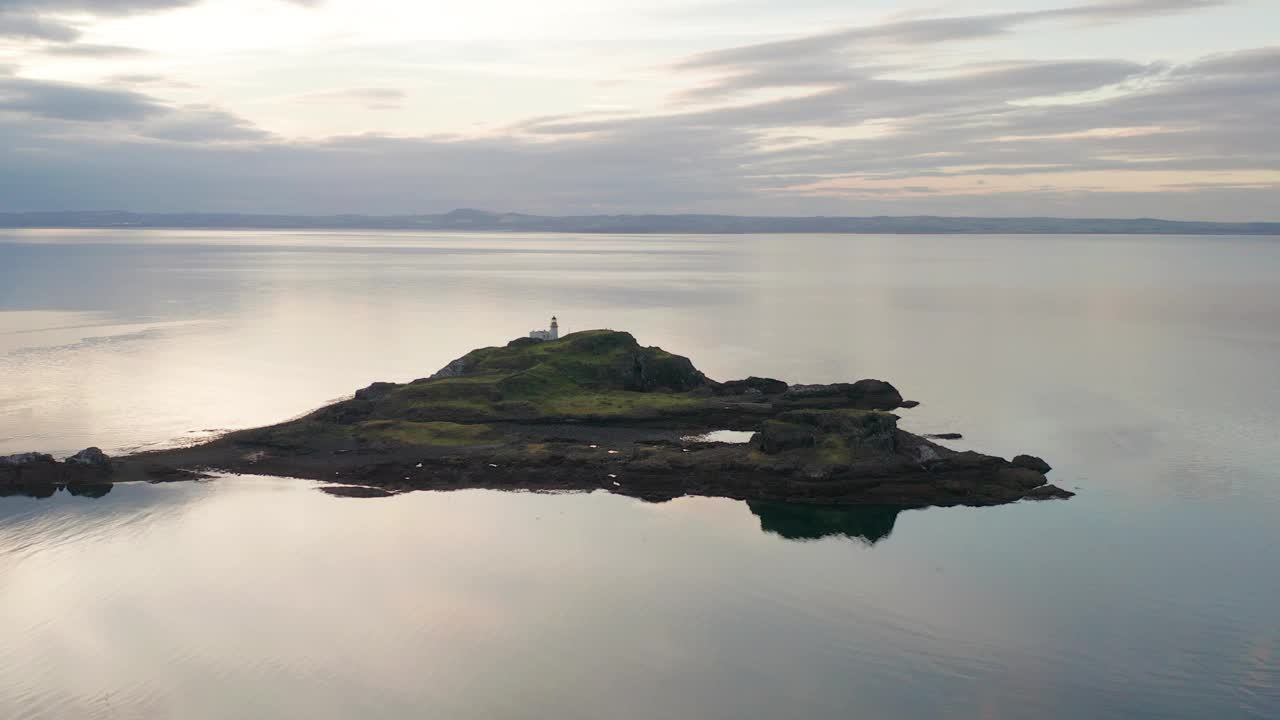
{"points": [[427, 433]]}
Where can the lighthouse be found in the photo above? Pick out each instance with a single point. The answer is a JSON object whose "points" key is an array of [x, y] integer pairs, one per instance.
{"points": [[552, 334]]}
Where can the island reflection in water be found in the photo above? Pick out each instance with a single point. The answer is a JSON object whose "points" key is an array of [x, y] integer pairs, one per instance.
{"points": [[44, 491], [867, 523]]}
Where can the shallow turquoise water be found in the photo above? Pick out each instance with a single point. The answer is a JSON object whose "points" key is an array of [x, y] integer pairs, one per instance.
{"points": [[1142, 368]]}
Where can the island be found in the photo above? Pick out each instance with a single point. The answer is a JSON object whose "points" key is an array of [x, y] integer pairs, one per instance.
{"points": [[592, 410]]}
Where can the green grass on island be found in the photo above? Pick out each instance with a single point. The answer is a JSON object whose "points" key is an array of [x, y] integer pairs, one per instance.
{"points": [[596, 375]]}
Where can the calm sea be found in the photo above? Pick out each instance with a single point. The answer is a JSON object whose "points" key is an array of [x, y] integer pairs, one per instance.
{"points": [[1144, 369]]}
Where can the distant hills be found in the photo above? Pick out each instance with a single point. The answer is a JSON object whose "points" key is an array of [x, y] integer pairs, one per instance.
{"points": [[480, 220]]}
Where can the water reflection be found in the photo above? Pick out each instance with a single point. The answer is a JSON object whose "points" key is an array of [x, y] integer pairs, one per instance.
{"points": [[43, 491], [868, 523]]}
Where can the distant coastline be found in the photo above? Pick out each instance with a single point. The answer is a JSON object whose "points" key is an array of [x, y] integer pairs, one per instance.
{"points": [[480, 220]]}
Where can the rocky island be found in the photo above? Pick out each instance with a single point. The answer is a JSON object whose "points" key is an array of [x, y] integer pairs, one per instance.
{"points": [[591, 410]]}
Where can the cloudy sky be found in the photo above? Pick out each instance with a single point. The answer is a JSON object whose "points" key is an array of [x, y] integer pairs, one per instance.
{"points": [[1107, 108]]}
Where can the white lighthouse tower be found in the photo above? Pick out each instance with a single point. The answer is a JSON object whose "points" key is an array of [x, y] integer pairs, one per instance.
{"points": [[552, 334]]}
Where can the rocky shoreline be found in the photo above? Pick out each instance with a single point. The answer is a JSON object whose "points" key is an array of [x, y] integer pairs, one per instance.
{"points": [[591, 411]]}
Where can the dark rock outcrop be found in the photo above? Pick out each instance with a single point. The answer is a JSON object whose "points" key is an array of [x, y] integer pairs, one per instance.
{"points": [[356, 491], [1048, 492], [27, 458], [777, 436], [91, 457], [862, 395], [88, 473], [1031, 462], [455, 368], [375, 391], [764, 386]]}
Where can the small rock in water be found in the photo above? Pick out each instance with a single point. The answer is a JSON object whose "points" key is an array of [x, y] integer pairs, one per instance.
{"points": [[25, 458], [1031, 462], [355, 491], [1049, 492], [92, 456]]}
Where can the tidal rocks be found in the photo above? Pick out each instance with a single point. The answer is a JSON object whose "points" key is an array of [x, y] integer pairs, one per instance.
{"points": [[778, 436], [862, 395], [88, 473], [852, 430], [1048, 492], [26, 458], [596, 410], [355, 491], [1031, 462], [91, 457], [752, 385]]}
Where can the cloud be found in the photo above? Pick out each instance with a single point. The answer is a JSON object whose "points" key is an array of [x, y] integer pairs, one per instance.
{"points": [[66, 101], [34, 27], [44, 19], [823, 124], [66, 110], [137, 79], [201, 123], [93, 51], [832, 57], [371, 98], [149, 80], [931, 31], [975, 89]]}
